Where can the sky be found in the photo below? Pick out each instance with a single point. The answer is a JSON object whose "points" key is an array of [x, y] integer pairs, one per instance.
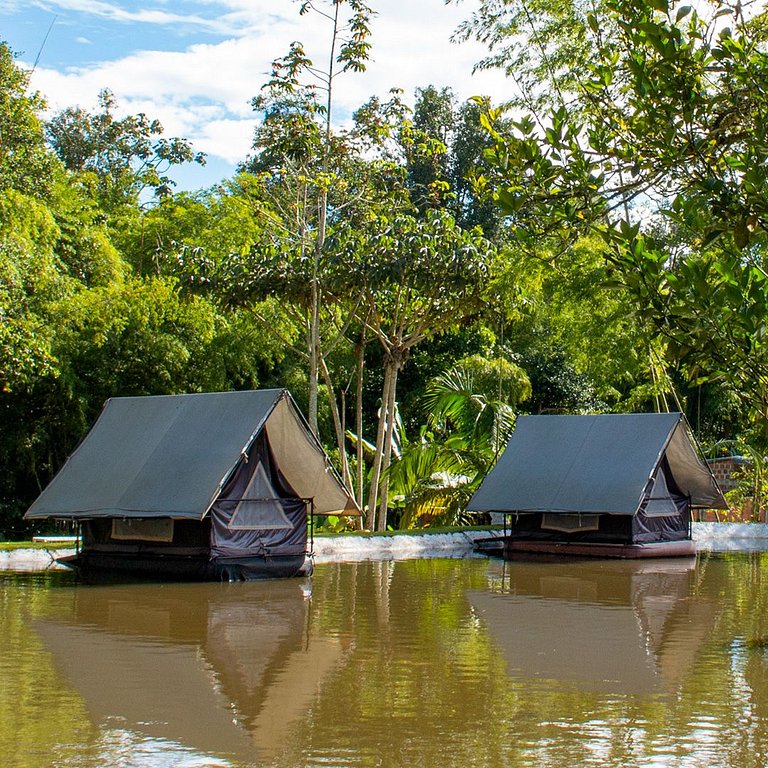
{"points": [[196, 64]]}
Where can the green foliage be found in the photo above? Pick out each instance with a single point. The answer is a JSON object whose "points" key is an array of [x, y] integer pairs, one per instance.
{"points": [[122, 157], [25, 163], [25, 336], [417, 271], [557, 387], [666, 118], [84, 247], [751, 490], [668, 110], [137, 338], [478, 381], [30, 279], [603, 249], [711, 309], [470, 417], [544, 48]]}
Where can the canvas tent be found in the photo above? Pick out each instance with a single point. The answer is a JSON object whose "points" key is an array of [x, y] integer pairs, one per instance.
{"points": [[214, 485], [623, 479]]}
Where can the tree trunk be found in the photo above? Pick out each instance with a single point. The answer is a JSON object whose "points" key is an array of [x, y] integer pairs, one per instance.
{"points": [[387, 458], [379, 451], [337, 424], [322, 215], [360, 453], [312, 337]]}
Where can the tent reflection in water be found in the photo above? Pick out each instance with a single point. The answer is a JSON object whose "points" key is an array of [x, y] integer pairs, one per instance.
{"points": [[221, 671], [610, 485], [200, 486], [612, 626]]}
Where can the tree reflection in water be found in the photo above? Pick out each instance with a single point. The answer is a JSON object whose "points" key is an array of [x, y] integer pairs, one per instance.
{"points": [[427, 662]]}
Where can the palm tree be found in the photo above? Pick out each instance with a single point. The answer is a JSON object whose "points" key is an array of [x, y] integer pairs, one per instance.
{"points": [[470, 417]]}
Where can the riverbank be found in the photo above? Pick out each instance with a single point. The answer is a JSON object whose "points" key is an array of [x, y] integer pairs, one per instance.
{"points": [[327, 549], [717, 537]]}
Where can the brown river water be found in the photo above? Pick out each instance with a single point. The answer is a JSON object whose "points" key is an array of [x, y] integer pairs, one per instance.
{"points": [[435, 662]]}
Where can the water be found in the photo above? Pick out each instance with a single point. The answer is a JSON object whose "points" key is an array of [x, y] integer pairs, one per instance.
{"points": [[438, 662]]}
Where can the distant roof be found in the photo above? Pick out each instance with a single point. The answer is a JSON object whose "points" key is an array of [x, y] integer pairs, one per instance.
{"points": [[169, 456], [598, 464]]}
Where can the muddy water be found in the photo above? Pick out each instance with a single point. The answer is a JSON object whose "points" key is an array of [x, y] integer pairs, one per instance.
{"points": [[413, 663]]}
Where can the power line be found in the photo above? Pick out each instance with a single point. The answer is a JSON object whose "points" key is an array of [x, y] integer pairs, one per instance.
{"points": [[42, 45]]}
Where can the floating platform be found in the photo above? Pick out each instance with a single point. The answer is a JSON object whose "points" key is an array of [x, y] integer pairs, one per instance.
{"points": [[99, 565], [508, 548]]}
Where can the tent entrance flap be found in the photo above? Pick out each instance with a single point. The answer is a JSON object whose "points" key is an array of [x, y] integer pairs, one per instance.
{"points": [[660, 502], [260, 508], [258, 515]]}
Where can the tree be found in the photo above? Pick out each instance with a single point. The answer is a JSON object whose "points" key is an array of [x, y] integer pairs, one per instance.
{"points": [[420, 277], [295, 143], [25, 163], [126, 157], [545, 48], [386, 237], [670, 118], [29, 282], [427, 156], [576, 335], [445, 154], [470, 417]]}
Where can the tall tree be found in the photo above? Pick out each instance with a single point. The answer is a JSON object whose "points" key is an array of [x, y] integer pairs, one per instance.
{"points": [[446, 155], [295, 142], [671, 119], [420, 277], [25, 163]]}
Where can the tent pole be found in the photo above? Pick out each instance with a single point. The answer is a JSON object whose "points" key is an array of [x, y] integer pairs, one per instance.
{"points": [[690, 518], [312, 526]]}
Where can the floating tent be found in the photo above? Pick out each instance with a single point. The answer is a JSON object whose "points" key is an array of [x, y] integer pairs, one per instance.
{"points": [[612, 484], [215, 485]]}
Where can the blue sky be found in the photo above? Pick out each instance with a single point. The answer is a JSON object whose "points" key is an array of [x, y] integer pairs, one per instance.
{"points": [[196, 64]]}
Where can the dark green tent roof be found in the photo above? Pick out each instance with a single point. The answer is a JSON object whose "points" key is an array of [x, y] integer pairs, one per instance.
{"points": [[593, 464], [169, 456]]}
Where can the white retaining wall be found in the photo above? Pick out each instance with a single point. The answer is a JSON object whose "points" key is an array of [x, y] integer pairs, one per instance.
{"points": [[333, 549]]}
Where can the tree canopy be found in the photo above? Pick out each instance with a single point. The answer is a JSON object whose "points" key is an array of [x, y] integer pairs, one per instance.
{"points": [[420, 274]]}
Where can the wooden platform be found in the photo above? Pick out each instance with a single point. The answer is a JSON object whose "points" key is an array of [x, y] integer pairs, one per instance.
{"points": [[95, 565], [509, 548]]}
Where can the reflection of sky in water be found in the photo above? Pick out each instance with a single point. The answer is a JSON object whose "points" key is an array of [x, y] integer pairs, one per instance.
{"points": [[734, 545], [119, 748]]}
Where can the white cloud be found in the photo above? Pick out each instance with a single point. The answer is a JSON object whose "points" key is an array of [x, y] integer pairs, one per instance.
{"points": [[217, 136], [222, 18], [115, 12], [203, 92]]}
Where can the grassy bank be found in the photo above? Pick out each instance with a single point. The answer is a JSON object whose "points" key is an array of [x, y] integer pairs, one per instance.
{"points": [[9, 546], [408, 532]]}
